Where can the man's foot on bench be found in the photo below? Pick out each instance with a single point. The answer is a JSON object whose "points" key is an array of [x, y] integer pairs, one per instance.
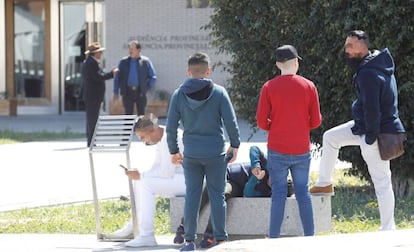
{"points": [[322, 190], [208, 241], [179, 235]]}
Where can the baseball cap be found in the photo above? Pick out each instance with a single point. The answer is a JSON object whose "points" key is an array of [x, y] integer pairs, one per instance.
{"points": [[286, 52]]}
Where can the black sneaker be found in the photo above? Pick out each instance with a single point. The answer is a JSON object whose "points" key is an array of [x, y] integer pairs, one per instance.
{"points": [[188, 246], [179, 235], [207, 242]]}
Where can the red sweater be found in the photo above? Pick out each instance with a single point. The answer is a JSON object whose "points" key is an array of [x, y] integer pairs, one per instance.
{"points": [[288, 109]]}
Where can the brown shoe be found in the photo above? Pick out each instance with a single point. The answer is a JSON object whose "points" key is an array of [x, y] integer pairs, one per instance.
{"points": [[322, 190]]}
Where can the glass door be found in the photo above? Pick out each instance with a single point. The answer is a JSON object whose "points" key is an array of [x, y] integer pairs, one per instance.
{"points": [[29, 48], [81, 24]]}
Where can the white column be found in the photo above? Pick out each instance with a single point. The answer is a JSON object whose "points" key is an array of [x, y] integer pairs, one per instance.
{"points": [[54, 54]]}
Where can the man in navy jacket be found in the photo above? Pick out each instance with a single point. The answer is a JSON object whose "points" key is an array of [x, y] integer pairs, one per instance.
{"points": [[374, 111], [136, 76]]}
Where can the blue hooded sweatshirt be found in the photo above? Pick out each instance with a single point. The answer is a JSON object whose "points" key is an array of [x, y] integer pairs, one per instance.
{"points": [[204, 110], [376, 108]]}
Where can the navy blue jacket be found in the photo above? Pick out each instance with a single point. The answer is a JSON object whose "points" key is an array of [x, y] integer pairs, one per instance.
{"points": [[376, 108], [146, 75], [93, 80]]}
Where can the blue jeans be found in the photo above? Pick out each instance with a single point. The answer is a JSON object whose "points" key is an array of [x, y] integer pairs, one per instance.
{"points": [[279, 165], [214, 170]]}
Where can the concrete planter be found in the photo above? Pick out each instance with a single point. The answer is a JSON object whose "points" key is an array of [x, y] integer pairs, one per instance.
{"points": [[8, 107], [158, 108], [4, 107]]}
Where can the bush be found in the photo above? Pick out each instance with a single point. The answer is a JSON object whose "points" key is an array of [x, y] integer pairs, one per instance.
{"points": [[318, 29]]}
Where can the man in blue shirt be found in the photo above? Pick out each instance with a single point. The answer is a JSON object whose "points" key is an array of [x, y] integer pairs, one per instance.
{"points": [[136, 76]]}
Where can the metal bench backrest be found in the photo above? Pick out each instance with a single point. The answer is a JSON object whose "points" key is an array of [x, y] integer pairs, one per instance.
{"points": [[113, 133]]}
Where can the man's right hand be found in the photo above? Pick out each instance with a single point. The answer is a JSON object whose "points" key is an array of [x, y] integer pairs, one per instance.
{"points": [[133, 174]]}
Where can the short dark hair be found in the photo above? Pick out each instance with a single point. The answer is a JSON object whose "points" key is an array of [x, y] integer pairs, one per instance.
{"points": [[199, 58], [146, 122], [360, 35], [136, 43]]}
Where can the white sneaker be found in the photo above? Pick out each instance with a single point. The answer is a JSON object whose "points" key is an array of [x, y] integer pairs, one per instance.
{"points": [[125, 233], [142, 241]]}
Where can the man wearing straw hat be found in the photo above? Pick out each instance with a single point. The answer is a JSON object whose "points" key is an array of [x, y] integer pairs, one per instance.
{"points": [[93, 81]]}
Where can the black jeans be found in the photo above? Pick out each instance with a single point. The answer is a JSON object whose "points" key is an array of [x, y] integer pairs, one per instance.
{"points": [[92, 113], [134, 96]]}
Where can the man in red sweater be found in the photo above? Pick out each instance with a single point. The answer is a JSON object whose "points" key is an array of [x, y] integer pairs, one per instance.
{"points": [[288, 109]]}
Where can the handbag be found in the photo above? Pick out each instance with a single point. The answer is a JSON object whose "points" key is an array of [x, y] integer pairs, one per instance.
{"points": [[391, 145]]}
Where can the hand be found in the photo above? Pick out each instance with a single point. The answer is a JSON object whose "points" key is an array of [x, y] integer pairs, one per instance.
{"points": [[115, 97], [259, 173], [133, 174], [115, 71], [177, 158], [234, 151]]}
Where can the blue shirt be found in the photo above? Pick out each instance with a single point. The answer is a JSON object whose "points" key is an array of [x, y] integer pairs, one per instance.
{"points": [[133, 73]]}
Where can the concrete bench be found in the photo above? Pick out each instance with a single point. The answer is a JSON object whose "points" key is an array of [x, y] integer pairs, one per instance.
{"points": [[251, 216]]}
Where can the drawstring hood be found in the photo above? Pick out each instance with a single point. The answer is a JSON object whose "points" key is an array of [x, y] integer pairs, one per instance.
{"points": [[197, 91]]}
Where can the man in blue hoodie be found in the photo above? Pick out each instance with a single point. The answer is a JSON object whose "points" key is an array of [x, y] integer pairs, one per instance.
{"points": [[243, 180], [374, 111], [204, 110]]}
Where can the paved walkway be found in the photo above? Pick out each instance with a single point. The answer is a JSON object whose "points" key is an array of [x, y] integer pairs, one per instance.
{"points": [[390, 241], [54, 172]]}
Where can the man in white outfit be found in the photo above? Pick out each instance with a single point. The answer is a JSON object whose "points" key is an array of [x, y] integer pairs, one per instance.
{"points": [[374, 111], [163, 179]]}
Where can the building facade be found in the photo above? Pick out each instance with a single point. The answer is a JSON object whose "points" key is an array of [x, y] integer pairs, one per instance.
{"points": [[44, 43]]}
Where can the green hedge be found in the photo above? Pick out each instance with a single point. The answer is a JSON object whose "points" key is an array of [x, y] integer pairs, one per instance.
{"points": [[249, 31]]}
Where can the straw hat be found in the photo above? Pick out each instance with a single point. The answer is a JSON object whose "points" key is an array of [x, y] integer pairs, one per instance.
{"points": [[94, 47]]}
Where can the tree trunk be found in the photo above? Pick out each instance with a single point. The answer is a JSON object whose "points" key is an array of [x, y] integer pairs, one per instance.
{"points": [[403, 187]]}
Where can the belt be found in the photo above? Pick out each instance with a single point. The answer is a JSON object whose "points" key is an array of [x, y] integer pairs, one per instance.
{"points": [[133, 87]]}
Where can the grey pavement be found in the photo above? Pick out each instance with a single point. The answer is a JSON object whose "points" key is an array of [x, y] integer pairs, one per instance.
{"points": [[75, 122], [57, 172], [386, 241], [37, 174]]}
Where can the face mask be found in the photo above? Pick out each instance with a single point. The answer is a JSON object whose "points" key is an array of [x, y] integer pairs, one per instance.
{"points": [[353, 63]]}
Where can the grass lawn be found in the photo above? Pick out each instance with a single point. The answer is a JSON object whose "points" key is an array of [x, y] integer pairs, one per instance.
{"points": [[354, 209], [8, 137]]}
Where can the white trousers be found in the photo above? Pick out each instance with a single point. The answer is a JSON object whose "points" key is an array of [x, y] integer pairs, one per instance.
{"points": [[379, 170], [146, 189]]}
